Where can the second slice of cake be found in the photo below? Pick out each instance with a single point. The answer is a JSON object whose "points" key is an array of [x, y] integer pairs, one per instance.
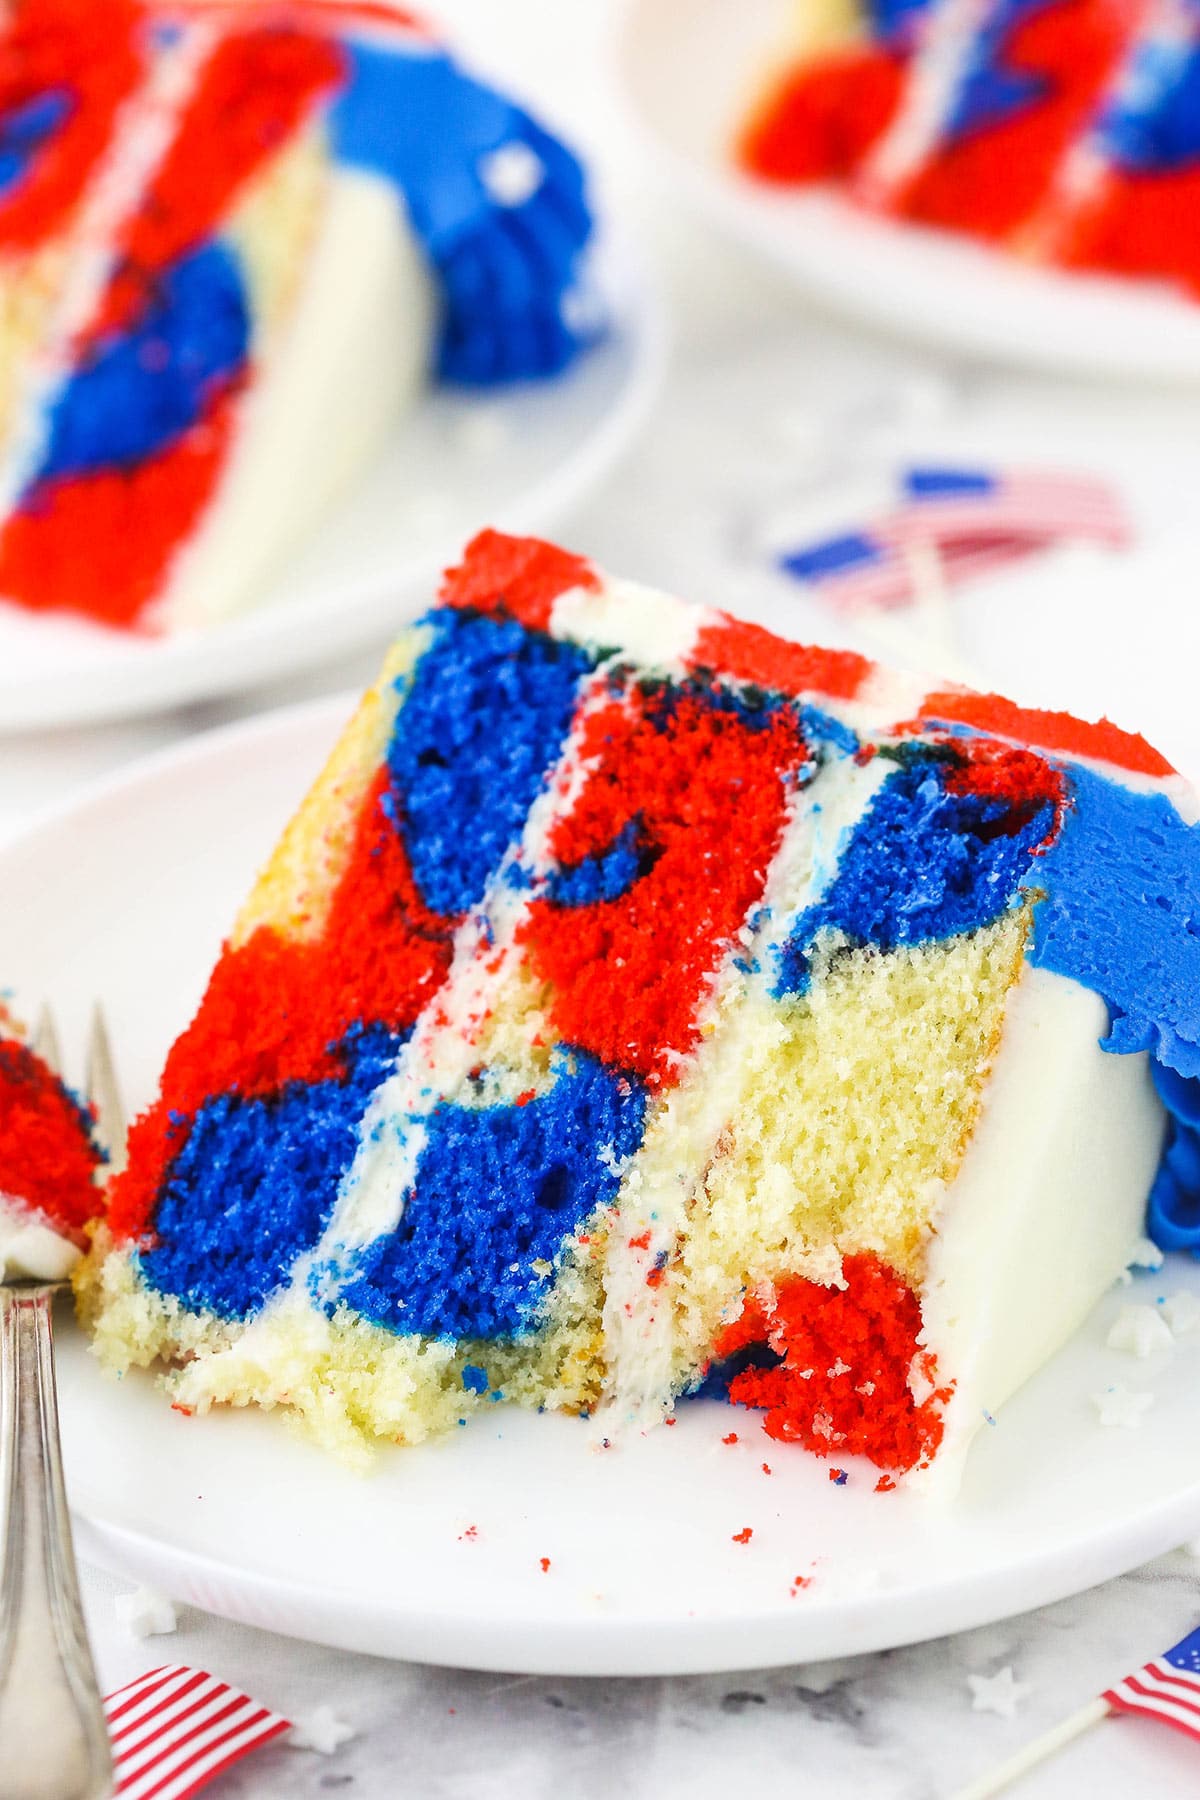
{"points": [[641, 1003]]}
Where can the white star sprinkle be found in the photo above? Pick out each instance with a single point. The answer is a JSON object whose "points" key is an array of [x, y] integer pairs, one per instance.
{"points": [[321, 1730], [1141, 1330], [512, 174], [1181, 1311], [145, 1613], [1000, 1694], [1119, 1405]]}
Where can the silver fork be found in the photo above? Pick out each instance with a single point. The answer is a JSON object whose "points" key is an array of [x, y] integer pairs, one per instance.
{"points": [[53, 1734]]}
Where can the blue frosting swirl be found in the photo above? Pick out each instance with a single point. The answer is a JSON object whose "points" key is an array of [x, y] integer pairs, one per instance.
{"points": [[506, 261], [1173, 1211]]}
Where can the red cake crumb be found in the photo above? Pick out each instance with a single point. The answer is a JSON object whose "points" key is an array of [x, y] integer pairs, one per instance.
{"points": [[731, 1438], [519, 576], [47, 1156], [544, 1564], [885, 1485], [870, 1329], [744, 1535], [641, 1242], [751, 653], [838, 1477], [274, 1006], [1103, 740], [468, 1534], [824, 116], [766, 1468]]}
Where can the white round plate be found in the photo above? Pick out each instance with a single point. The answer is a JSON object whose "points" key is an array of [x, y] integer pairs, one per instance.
{"points": [[437, 1555], [517, 458], [691, 70]]}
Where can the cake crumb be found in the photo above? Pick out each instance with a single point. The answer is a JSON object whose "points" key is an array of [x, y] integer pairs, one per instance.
{"points": [[468, 1534], [838, 1477], [1140, 1331], [744, 1535], [885, 1485], [766, 1468], [730, 1438], [321, 1730], [146, 1613], [544, 1564], [1000, 1694], [1120, 1406]]}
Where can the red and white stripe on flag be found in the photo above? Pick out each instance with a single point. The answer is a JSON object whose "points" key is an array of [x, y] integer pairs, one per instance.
{"points": [[176, 1728], [1162, 1690]]}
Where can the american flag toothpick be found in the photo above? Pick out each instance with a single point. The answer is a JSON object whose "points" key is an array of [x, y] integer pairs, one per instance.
{"points": [[174, 1729], [977, 519], [1167, 1689]]}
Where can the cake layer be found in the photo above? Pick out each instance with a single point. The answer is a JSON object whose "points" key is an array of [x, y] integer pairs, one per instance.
{"points": [[282, 219], [641, 1005]]}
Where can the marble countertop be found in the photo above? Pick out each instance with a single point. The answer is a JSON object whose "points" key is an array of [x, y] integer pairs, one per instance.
{"points": [[895, 1726]]}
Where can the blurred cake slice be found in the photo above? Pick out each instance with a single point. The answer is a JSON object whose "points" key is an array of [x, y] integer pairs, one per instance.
{"points": [[235, 240]]}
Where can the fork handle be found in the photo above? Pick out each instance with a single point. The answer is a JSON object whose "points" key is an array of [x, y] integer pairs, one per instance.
{"points": [[53, 1734]]}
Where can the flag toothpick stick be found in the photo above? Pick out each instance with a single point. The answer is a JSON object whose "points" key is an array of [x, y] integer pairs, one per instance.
{"points": [[1037, 1752]]}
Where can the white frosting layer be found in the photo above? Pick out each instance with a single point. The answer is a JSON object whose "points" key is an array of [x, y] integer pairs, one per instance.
{"points": [[29, 1247], [1049, 1198], [355, 353]]}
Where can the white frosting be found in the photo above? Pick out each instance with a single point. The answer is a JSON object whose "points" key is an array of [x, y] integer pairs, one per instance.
{"points": [[1049, 1197], [30, 1249], [355, 353], [653, 628]]}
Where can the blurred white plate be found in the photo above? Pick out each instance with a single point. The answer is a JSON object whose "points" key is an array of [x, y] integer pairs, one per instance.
{"points": [[691, 69], [126, 896], [517, 458]]}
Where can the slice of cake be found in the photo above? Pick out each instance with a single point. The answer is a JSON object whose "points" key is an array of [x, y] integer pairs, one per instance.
{"points": [[235, 239], [49, 1164], [642, 1004]]}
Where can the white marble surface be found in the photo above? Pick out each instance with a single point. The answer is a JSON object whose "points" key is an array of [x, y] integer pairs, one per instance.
{"points": [[752, 371]]}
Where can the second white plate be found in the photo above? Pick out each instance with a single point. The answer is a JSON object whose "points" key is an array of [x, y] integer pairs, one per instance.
{"points": [[438, 1555], [691, 70]]}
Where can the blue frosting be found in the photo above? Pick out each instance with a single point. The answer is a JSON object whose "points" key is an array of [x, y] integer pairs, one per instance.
{"points": [[483, 722], [138, 390], [990, 92], [504, 270], [1122, 915], [25, 129], [1173, 1214], [1154, 122], [499, 1188], [255, 1182], [923, 863]]}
